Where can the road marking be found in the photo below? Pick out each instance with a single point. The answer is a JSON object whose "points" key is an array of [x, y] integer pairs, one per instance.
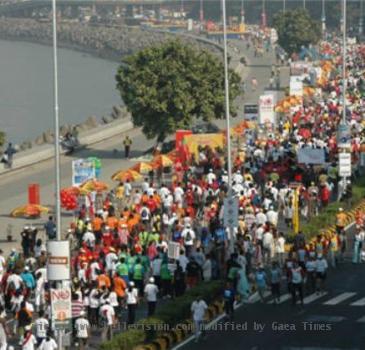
{"points": [[283, 299], [313, 297], [312, 348], [339, 298], [254, 298], [360, 302], [325, 318], [361, 320]]}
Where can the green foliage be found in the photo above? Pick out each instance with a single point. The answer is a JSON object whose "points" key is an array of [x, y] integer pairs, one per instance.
{"points": [[166, 87], [170, 314], [296, 29], [2, 138]]}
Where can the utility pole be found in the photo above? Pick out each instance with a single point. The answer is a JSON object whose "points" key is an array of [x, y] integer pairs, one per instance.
{"points": [[323, 17], [242, 12], [201, 12], [263, 15], [361, 18], [228, 124]]}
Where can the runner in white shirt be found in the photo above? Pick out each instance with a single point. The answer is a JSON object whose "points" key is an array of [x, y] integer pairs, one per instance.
{"points": [[132, 301], [321, 272], [151, 291], [198, 308], [82, 327], [29, 340], [48, 344], [108, 315], [41, 327]]}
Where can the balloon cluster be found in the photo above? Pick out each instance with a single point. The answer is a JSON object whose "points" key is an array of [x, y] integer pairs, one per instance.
{"points": [[68, 200]]}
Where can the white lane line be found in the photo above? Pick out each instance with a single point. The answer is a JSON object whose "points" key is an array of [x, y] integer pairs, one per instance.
{"points": [[283, 299], [340, 298], [310, 298], [312, 348], [256, 297], [360, 302], [361, 320]]}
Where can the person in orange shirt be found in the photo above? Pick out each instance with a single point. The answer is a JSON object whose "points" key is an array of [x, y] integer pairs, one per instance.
{"points": [[103, 281], [97, 224], [112, 222], [144, 198]]}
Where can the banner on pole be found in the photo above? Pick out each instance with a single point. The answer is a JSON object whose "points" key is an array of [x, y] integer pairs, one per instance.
{"points": [[344, 168], [61, 308], [58, 261], [344, 135], [266, 109], [82, 170], [230, 212]]}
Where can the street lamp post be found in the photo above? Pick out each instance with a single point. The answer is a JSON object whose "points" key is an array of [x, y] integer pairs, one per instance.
{"points": [[242, 12], [323, 17], [361, 18], [201, 12], [284, 6], [56, 138], [227, 114], [304, 5], [263, 15]]}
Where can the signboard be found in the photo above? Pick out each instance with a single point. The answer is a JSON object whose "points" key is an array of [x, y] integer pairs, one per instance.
{"points": [[344, 135], [58, 260], [82, 170], [61, 308], [250, 112], [308, 155], [344, 168], [296, 86], [230, 213], [173, 250], [266, 109]]}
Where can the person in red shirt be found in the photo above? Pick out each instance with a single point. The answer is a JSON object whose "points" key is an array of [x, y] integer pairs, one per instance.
{"points": [[107, 236], [151, 204]]}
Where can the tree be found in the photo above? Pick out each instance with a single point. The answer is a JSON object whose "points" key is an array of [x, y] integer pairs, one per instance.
{"points": [[169, 86], [296, 29]]}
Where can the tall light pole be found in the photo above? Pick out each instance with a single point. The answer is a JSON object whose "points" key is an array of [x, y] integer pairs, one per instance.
{"points": [[344, 47], [284, 6], [56, 123], [227, 114], [242, 12], [201, 12], [56, 137], [361, 18], [263, 14], [304, 4], [323, 17]]}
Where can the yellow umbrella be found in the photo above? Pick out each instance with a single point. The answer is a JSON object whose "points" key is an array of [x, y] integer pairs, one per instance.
{"points": [[161, 161], [125, 175], [94, 185], [142, 168], [29, 211]]}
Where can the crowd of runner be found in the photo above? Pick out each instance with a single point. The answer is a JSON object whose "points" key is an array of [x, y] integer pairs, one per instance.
{"points": [[120, 241]]}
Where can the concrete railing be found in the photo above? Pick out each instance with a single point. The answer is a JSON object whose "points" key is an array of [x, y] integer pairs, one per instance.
{"points": [[44, 152]]}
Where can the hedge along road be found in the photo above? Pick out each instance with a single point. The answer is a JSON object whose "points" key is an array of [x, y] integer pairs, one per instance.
{"points": [[13, 186]]}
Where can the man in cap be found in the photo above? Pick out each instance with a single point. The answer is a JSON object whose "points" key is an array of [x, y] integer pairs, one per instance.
{"points": [[151, 291]]}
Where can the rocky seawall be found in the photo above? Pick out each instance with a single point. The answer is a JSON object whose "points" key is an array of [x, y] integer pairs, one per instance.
{"points": [[105, 42]]}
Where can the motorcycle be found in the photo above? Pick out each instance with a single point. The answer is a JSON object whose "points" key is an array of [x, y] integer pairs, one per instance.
{"points": [[69, 143]]}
